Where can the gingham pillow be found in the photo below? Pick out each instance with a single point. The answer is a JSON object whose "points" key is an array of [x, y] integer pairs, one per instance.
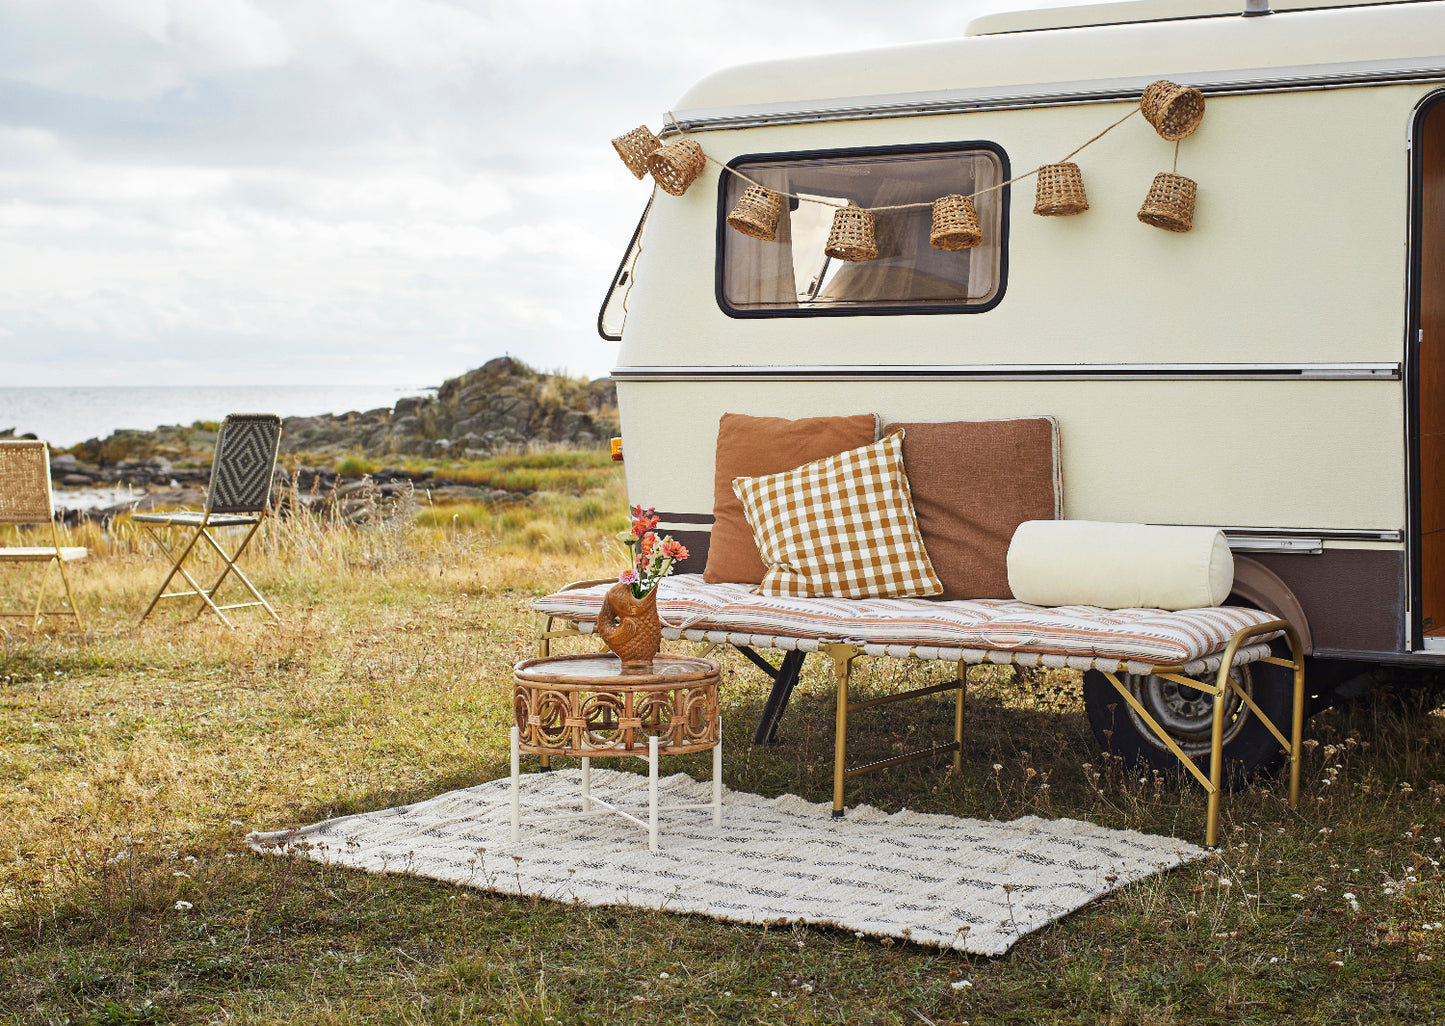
{"points": [[840, 527]]}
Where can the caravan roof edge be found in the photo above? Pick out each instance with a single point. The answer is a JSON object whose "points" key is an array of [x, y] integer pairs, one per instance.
{"points": [[1309, 49], [1053, 94]]}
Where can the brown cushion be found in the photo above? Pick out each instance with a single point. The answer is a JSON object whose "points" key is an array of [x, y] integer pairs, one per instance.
{"points": [[755, 446], [973, 483]]}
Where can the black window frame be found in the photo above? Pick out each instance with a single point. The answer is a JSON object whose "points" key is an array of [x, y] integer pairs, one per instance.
{"points": [[740, 163]]}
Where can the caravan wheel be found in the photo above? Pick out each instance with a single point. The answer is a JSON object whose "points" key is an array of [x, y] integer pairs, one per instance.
{"points": [[1186, 713]]}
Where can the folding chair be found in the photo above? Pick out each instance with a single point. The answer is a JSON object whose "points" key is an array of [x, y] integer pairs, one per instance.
{"points": [[25, 499], [240, 491]]}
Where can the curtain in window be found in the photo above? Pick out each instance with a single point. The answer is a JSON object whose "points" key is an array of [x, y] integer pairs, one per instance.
{"points": [[758, 272]]}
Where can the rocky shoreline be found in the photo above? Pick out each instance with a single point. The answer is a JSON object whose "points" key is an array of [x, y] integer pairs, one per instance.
{"points": [[502, 406]]}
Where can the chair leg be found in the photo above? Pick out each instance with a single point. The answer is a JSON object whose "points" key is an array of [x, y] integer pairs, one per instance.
{"points": [[40, 593], [231, 567], [175, 568], [64, 577]]}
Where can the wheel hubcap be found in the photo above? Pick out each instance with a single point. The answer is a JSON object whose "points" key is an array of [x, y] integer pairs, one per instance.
{"points": [[1185, 712]]}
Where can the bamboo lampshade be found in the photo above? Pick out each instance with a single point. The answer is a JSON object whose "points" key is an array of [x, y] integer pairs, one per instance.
{"points": [[852, 237], [677, 165], [1060, 191], [757, 213], [1170, 203], [1174, 110], [955, 224], [635, 147]]}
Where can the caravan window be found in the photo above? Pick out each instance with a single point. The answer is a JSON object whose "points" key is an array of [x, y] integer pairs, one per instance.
{"points": [[793, 276]]}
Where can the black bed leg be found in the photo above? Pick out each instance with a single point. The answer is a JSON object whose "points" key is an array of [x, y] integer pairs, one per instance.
{"points": [[785, 676]]}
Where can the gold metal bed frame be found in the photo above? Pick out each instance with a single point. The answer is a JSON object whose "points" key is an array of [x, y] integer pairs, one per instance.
{"points": [[843, 655]]}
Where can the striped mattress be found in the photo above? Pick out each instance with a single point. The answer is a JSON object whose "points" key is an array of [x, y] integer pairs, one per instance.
{"points": [[973, 631]]}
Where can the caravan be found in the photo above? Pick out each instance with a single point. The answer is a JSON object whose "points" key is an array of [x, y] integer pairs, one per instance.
{"points": [[1277, 370]]}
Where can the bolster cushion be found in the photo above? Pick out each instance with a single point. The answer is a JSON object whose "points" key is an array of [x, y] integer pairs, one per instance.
{"points": [[1119, 566]]}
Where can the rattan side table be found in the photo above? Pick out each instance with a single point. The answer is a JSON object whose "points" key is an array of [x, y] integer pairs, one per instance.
{"points": [[586, 706]]}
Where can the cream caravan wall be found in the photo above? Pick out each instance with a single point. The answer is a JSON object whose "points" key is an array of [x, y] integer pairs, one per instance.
{"points": [[1298, 255], [1297, 252], [1318, 454]]}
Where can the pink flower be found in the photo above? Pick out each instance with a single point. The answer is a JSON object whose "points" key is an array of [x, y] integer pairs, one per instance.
{"points": [[627, 577]]}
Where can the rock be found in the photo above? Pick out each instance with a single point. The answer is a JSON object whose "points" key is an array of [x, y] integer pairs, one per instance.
{"points": [[77, 480]]}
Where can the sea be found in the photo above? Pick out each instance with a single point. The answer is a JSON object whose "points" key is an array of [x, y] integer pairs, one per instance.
{"points": [[65, 416]]}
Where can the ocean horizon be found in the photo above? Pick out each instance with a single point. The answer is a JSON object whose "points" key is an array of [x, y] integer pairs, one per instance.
{"points": [[65, 416]]}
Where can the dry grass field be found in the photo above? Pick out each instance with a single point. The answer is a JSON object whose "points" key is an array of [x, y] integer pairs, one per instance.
{"points": [[134, 760]]}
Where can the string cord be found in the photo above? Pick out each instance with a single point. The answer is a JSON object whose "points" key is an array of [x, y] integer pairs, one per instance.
{"points": [[911, 206]]}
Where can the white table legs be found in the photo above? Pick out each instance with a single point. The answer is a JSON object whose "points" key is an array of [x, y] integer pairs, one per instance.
{"points": [[589, 800]]}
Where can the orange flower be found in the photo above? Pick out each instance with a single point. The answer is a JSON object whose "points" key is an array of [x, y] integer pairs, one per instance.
{"points": [[673, 550]]}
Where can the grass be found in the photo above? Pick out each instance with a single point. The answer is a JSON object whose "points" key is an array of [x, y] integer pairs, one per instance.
{"points": [[133, 761]]}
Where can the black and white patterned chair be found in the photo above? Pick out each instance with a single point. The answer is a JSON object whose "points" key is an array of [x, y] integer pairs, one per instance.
{"points": [[239, 495]]}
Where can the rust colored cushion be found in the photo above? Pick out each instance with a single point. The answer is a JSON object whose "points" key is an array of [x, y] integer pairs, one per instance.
{"points": [[756, 446], [973, 483]]}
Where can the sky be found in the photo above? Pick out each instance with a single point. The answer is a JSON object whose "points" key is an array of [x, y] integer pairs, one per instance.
{"points": [[348, 191]]}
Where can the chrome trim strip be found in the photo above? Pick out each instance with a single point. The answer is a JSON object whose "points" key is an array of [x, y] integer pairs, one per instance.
{"points": [[1295, 78], [1022, 372], [1296, 546], [1292, 538]]}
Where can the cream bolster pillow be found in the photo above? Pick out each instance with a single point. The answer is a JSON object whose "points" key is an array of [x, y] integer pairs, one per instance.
{"points": [[1119, 566]]}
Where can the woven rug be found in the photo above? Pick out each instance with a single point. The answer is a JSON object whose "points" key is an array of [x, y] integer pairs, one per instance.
{"points": [[972, 885]]}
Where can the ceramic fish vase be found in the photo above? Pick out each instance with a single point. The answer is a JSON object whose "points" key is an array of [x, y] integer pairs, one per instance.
{"points": [[631, 627]]}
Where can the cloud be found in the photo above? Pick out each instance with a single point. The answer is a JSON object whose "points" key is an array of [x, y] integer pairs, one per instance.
{"points": [[191, 188]]}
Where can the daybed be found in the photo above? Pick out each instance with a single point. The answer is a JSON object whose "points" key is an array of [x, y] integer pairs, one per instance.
{"points": [[1184, 645]]}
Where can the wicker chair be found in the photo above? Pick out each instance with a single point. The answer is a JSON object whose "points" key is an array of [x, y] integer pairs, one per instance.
{"points": [[239, 495], [25, 499]]}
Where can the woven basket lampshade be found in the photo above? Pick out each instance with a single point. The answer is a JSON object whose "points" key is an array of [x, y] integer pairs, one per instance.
{"points": [[852, 237], [635, 147], [1060, 191], [1174, 110], [1170, 203], [955, 224], [677, 165], [757, 212]]}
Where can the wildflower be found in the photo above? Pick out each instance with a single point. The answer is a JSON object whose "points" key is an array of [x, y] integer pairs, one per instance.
{"points": [[960, 984], [1352, 901], [184, 906], [997, 767], [673, 550], [662, 976]]}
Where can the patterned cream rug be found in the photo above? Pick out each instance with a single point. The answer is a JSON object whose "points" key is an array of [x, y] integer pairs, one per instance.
{"points": [[973, 885]]}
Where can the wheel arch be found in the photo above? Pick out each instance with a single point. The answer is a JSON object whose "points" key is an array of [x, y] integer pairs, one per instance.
{"points": [[1261, 587]]}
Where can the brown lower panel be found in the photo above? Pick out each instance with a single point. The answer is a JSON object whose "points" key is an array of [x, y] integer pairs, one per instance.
{"points": [[1354, 598]]}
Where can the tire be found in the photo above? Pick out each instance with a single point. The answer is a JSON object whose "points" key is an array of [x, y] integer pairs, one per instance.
{"points": [[1249, 747]]}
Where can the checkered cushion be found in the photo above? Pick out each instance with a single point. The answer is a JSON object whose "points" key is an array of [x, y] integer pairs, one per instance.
{"points": [[841, 527]]}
